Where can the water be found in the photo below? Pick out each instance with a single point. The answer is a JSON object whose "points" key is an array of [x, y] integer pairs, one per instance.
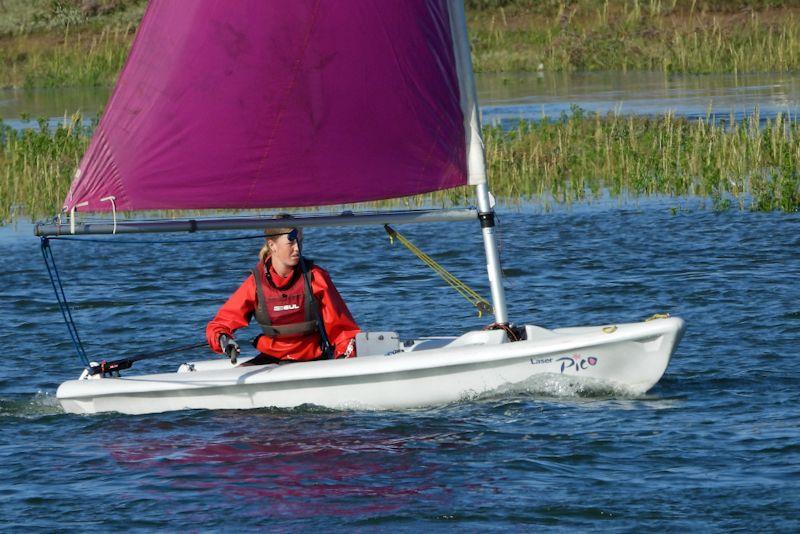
{"points": [[21, 108], [714, 446], [507, 98]]}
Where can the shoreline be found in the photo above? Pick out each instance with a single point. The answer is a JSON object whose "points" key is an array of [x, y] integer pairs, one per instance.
{"points": [[63, 44]]}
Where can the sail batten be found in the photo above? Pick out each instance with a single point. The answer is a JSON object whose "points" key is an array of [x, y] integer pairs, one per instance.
{"points": [[264, 103]]}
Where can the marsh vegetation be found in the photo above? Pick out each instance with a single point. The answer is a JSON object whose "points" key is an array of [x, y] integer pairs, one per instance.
{"points": [[749, 165], [37, 165]]}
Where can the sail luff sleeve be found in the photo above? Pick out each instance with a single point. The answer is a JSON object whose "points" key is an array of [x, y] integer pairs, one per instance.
{"points": [[476, 161], [267, 103]]}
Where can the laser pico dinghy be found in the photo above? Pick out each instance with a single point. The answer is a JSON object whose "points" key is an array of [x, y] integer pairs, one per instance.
{"points": [[264, 104]]}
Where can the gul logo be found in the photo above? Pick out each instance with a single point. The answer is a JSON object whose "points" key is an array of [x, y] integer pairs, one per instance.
{"points": [[286, 307], [577, 362]]}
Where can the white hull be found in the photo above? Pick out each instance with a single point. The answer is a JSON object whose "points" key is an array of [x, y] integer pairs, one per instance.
{"points": [[630, 356]]}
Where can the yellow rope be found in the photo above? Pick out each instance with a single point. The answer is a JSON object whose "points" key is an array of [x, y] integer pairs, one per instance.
{"points": [[463, 289]]}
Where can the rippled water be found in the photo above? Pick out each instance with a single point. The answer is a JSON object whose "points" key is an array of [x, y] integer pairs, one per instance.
{"points": [[714, 446]]}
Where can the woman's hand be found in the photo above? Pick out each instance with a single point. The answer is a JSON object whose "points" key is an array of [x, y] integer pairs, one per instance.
{"points": [[230, 347]]}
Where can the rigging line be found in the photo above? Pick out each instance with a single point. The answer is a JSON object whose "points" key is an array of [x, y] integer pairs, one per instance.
{"points": [[154, 241], [463, 289], [460, 286], [63, 304], [61, 298], [112, 366]]}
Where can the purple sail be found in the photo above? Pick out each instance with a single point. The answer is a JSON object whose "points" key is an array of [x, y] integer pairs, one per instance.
{"points": [[274, 103]]}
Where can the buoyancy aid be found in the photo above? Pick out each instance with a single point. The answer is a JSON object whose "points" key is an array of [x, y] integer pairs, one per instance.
{"points": [[286, 310]]}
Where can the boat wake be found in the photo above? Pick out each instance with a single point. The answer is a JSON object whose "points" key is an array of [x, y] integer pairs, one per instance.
{"points": [[30, 406], [560, 386]]}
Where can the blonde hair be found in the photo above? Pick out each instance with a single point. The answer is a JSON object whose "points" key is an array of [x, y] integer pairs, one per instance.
{"points": [[271, 234]]}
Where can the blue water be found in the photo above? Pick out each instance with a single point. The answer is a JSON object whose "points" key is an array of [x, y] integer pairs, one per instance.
{"points": [[714, 446]]}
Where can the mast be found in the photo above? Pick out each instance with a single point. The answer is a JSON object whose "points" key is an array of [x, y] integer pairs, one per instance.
{"points": [[476, 163]]}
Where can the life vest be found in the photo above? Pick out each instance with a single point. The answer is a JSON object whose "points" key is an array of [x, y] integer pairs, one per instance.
{"points": [[284, 311]]}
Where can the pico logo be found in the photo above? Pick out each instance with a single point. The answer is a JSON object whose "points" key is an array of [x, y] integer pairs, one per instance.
{"points": [[577, 362]]}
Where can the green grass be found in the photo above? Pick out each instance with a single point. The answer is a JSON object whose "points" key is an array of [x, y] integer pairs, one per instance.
{"points": [[29, 17], [37, 165], [576, 159], [83, 59], [56, 43], [587, 156], [665, 35]]}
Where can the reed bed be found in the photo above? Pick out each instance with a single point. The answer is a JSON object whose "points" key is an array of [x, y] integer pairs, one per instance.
{"points": [[750, 165], [37, 165]]}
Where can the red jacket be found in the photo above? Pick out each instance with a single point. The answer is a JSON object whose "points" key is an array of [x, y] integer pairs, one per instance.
{"points": [[238, 310]]}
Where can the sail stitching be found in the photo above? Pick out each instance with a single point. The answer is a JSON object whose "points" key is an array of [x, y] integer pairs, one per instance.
{"points": [[421, 175], [106, 153], [289, 89], [413, 105], [120, 192]]}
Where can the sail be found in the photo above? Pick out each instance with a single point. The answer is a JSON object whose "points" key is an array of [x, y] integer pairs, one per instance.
{"points": [[268, 103]]}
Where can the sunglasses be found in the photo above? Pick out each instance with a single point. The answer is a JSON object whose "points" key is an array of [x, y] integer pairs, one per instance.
{"points": [[291, 236]]}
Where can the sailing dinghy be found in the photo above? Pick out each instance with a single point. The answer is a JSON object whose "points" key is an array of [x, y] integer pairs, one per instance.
{"points": [[260, 104]]}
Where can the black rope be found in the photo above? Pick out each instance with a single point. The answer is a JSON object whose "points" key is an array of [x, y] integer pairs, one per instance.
{"points": [[115, 366], [61, 297]]}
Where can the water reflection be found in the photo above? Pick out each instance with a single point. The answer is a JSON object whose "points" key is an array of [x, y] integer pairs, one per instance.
{"points": [[267, 457], [510, 97], [532, 96]]}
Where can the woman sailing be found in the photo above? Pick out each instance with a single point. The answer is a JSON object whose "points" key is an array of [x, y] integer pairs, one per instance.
{"points": [[290, 298]]}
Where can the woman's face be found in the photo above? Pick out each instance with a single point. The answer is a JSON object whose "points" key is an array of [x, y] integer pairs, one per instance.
{"points": [[285, 252]]}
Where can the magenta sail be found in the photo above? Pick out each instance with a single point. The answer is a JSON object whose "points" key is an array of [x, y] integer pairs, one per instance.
{"points": [[269, 103]]}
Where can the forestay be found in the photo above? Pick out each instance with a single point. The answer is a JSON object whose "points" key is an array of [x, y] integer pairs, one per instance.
{"points": [[260, 104]]}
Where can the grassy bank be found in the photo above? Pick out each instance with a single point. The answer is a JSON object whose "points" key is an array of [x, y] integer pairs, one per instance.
{"points": [[59, 43], [693, 36], [575, 159], [56, 43], [80, 58]]}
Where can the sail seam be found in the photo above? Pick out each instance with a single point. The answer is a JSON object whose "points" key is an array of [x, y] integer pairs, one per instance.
{"points": [[279, 116], [115, 174], [421, 175]]}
